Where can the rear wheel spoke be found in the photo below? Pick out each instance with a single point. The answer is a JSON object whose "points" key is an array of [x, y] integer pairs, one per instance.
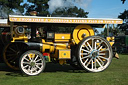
{"points": [[84, 53], [85, 57], [103, 58], [92, 64], [89, 46], [86, 46], [89, 62], [99, 63], [85, 50]]}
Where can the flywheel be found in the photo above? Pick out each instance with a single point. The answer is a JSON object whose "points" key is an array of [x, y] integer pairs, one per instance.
{"points": [[82, 31]]}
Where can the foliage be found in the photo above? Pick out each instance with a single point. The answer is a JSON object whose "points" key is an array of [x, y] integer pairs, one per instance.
{"points": [[112, 31], [72, 12], [40, 6], [124, 26], [123, 1], [10, 6]]}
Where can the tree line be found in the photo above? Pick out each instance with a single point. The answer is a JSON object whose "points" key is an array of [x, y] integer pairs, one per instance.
{"points": [[40, 6]]}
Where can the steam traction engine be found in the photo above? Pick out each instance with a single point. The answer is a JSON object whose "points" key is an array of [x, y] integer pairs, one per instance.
{"points": [[31, 36]]}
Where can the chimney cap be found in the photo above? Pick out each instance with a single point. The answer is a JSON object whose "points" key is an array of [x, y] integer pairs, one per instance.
{"points": [[33, 13]]}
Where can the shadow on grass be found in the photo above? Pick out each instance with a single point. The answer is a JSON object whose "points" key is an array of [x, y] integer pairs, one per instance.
{"points": [[50, 68]]}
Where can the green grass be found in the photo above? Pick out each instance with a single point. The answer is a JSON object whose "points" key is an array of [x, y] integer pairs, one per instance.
{"points": [[116, 74]]}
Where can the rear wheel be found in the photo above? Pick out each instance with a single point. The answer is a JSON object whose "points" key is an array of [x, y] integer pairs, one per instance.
{"points": [[32, 63], [94, 54]]}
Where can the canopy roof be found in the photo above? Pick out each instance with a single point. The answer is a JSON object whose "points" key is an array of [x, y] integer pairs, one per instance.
{"points": [[70, 20], [4, 23]]}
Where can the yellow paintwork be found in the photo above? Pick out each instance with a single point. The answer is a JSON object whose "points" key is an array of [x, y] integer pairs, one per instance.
{"points": [[64, 20], [80, 30], [31, 55], [62, 37], [111, 40], [52, 46], [64, 53], [20, 38], [47, 45], [61, 46], [62, 40]]}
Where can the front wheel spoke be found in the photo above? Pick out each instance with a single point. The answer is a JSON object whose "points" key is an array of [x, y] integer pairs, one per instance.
{"points": [[85, 57], [99, 63], [103, 58], [39, 60], [29, 69], [29, 57], [38, 63], [36, 58], [26, 66], [32, 69], [37, 66], [35, 69], [26, 59], [26, 63]]}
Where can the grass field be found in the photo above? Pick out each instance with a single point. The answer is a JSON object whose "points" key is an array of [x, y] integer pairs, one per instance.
{"points": [[116, 74]]}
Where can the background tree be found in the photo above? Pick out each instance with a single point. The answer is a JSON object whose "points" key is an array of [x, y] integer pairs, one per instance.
{"points": [[40, 6], [10, 6], [123, 1], [70, 12], [112, 32], [124, 26]]}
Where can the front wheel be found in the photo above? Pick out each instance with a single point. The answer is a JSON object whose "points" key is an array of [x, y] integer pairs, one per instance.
{"points": [[94, 53], [32, 63]]}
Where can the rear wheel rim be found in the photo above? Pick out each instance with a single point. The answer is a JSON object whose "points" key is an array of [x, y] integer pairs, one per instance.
{"points": [[95, 54]]}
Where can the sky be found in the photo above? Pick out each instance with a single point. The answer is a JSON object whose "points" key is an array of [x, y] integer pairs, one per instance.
{"points": [[106, 8]]}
